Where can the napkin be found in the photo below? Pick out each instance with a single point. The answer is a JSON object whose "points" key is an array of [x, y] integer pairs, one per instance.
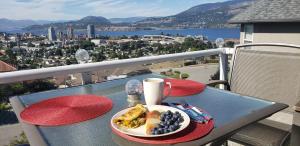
{"points": [[193, 112]]}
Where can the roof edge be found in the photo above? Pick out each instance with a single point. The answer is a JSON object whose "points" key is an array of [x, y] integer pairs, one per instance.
{"points": [[262, 21]]}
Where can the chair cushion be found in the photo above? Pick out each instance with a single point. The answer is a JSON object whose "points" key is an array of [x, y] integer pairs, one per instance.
{"points": [[259, 134]]}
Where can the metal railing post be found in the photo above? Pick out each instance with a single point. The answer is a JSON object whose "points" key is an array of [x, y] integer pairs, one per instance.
{"points": [[223, 64], [86, 78]]}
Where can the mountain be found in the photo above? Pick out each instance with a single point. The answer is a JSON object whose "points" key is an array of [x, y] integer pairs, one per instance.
{"points": [[10, 25], [93, 20], [204, 15], [98, 21], [127, 20], [210, 15]]}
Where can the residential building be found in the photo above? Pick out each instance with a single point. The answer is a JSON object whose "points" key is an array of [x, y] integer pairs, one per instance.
{"points": [[91, 31], [4, 67], [51, 34], [268, 21]]}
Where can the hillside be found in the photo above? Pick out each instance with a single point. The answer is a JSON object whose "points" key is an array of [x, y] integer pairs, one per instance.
{"points": [[204, 15], [10, 25], [127, 20]]}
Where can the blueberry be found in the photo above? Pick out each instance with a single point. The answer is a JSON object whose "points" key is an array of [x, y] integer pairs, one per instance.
{"points": [[180, 119], [153, 132], [168, 117], [155, 129], [160, 125], [159, 131], [166, 127], [165, 123], [176, 123], [172, 127], [176, 127], [172, 122], [177, 113], [169, 123], [175, 117], [169, 112], [166, 130], [156, 132]]}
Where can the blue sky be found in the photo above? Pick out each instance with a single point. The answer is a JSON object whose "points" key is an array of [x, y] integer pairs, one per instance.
{"points": [[76, 9]]}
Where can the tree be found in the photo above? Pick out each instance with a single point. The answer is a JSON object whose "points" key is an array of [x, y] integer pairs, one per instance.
{"points": [[229, 44], [87, 45], [58, 52], [68, 62], [98, 57], [30, 45]]}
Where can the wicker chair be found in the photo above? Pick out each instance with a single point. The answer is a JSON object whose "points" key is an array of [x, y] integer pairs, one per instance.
{"points": [[271, 72]]}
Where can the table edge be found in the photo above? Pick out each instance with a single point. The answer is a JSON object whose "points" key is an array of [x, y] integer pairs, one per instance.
{"points": [[229, 129]]}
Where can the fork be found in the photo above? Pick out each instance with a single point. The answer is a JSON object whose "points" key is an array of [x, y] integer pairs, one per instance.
{"points": [[205, 115]]}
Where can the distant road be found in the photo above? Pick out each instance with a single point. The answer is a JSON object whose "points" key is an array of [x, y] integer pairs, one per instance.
{"points": [[200, 73]]}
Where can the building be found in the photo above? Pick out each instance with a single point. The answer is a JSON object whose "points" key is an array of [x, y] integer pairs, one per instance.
{"points": [[99, 42], [267, 21], [162, 39], [51, 34], [18, 40], [61, 36], [70, 33], [91, 31]]}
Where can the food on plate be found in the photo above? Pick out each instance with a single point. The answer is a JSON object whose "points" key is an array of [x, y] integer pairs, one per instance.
{"points": [[152, 120], [133, 118], [169, 122]]}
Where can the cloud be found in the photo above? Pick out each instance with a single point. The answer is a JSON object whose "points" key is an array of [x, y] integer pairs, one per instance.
{"points": [[76, 9]]}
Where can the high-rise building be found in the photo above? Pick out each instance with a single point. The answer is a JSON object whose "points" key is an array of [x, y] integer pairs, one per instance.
{"points": [[18, 40], [60, 35], [51, 34], [91, 31], [70, 33]]}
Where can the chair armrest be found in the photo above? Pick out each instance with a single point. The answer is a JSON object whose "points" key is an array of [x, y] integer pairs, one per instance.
{"points": [[296, 114], [216, 82], [297, 107], [213, 83]]}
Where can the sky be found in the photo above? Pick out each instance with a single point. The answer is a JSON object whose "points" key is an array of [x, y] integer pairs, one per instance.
{"points": [[76, 9]]}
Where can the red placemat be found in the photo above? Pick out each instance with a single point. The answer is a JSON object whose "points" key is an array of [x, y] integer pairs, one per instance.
{"points": [[66, 110], [192, 132], [183, 87]]}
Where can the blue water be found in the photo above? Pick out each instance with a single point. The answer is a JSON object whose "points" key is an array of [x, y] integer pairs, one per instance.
{"points": [[210, 33]]}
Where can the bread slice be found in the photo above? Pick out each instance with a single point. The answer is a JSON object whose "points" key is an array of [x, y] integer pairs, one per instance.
{"points": [[152, 120]]}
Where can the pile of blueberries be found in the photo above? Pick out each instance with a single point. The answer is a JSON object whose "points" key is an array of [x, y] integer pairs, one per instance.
{"points": [[169, 122]]}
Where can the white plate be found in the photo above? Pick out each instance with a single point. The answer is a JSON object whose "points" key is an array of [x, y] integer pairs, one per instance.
{"points": [[141, 131]]}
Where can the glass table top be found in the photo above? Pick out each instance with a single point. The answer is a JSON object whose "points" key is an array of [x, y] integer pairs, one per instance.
{"points": [[225, 107]]}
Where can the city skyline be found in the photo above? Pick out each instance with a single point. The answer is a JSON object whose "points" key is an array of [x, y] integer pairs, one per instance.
{"points": [[73, 9]]}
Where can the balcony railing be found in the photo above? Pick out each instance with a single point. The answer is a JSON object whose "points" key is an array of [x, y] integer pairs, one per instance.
{"points": [[23, 75]]}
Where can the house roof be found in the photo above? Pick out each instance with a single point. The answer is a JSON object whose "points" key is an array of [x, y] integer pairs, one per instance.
{"points": [[269, 11], [4, 67]]}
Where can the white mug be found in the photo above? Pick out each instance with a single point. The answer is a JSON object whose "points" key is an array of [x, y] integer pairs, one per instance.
{"points": [[154, 90]]}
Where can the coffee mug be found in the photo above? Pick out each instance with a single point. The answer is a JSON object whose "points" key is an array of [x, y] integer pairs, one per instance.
{"points": [[154, 90]]}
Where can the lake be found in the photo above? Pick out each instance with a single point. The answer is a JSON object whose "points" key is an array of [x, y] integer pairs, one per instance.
{"points": [[210, 33]]}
